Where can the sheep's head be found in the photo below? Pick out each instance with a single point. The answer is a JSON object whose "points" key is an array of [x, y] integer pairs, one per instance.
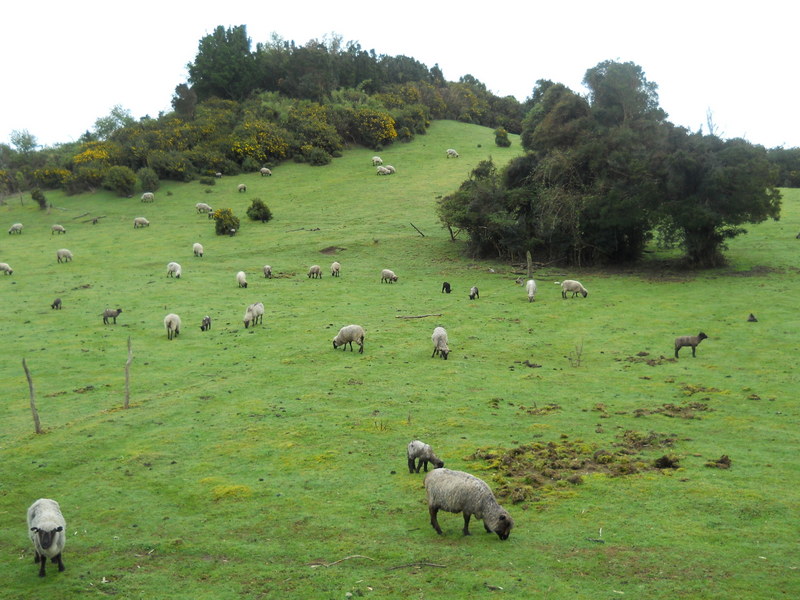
{"points": [[46, 537], [702, 336], [444, 352], [437, 463], [584, 293], [504, 525]]}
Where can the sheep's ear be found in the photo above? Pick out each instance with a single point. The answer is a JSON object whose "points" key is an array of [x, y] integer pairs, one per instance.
{"points": [[59, 528], [502, 517], [36, 529]]}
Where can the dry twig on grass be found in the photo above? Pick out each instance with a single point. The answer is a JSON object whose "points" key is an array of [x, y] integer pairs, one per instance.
{"points": [[320, 563]]}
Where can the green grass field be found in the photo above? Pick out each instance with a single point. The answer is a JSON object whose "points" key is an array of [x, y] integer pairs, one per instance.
{"points": [[261, 463]]}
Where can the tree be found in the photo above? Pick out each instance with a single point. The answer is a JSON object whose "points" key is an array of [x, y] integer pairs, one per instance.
{"points": [[38, 196], [184, 101], [224, 66], [258, 211], [501, 138], [121, 180], [619, 93], [117, 119], [23, 141]]}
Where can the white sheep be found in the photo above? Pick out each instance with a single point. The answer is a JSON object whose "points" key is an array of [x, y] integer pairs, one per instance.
{"points": [[391, 169], [689, 340], [267, 272], [241, 187], [197, 248], [140, 222], [111, 313], [6, 268], [254, 314], [530, 287], [382, 171], [241, 279], [148, 197], [451, 153], [335, 268], [376, 160], [570, 285], [218, 175], [473, 292], [63, 255], [15, 228], [172, 323], [47, 530], [202, 207], [439, 339], [174, 270], [460, 492], [57, 229], [349, 334], [265, 172], [388, 276], [419, 451], [315, 272]]}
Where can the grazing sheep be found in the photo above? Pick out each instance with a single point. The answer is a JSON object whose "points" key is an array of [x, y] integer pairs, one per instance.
{"points": [[689, 340], [267, 272], [172, 323], [451, 153], [57, 229], [315, 272], [473, 292], [391, 169], [241, 279], [349, 334], [265, 172], [148, 197], [197, 248], [254, 314], [570, 285], [205, 324], [111, 313], [446, 288], [218, 175], [457, 491], [15, 228], [140, 222], [6, 268], [63, 255], [530, 287], [202, 207], [56, 304], [335, 268], [388, 276], [173, 270], [241, 188], [382, 171], [48, 532], [439, 339], [424, 454], [376, 160]]}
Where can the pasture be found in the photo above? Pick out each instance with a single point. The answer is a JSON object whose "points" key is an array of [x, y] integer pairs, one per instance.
{"points": [[261, 463]]}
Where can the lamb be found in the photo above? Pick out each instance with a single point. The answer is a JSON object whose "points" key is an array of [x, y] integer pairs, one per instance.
{"points": [[254, 314], [111, 313], [48, 532], [451, 153], [382, 171], [391, 169], [6, 268], [56, 304], [205, 324], [15, 228], [388, 276], [689, 340], [241, 187], [241, 279], [424, 454], [174, 270], [140, 222], [376, 160], [197, 248], [473, 292], [530, 287], [202, 207], [570, 285], [315, 272], [446, 288], [457, 491], [57, 229], [172, 323], [265, 172], [439, 339], [335, 267], [148, 197], [63, 255], [349, 334], [267, 272]]}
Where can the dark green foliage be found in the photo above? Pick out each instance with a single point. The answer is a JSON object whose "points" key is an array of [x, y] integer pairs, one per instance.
{"points": [[224, 66], [170, 164], [258, 211], [38, 196], [148, 179], [225, 222], [121, 180], [208, 181], [501, 138], [787, 166]]}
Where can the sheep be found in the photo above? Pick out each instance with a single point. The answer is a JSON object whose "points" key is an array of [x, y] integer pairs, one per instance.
{"points": [[148, 197], [391, 169], [382, 171], [473, 292], [689, 340], [140, 222], [172, 323], [218, 175], [570, 285], [315, 272], [424, 454], [205, 324], [241, 187], [335, 268], [376, 160], [241, 279], [451, 153], [457, 491], [15, 228], [6, 268], [439, 339], [197, 248], [63, 255], [111, 313], [388, 276], [530, 287], [174, 270], [48, 532], [267, 272], [265, 172], [254, 314], [57, 229], [56, 304], [446, 288], [202, 207], [349, 334]]}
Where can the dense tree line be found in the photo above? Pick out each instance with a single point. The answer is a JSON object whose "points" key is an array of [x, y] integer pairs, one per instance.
{"points": [[605, 174]]}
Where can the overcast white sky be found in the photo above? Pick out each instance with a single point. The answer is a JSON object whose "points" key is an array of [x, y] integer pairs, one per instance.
{"points": [[64, 64]]}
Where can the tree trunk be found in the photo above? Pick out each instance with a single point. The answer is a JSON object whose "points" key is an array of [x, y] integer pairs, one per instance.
{"points": [[530, 264], [37, 427]]}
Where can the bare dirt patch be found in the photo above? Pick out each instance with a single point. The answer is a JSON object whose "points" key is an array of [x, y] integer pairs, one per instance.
{"points": [[332, 250], [686, 410]]}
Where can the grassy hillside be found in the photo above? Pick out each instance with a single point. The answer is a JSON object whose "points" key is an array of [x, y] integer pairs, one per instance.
{"points": [[261, 463]]}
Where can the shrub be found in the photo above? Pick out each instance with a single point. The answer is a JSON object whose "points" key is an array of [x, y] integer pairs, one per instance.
{"points": [[225, 222], [121, 180], [208, 181], [317, 157], [501, 137], [258, 211], [38, 195], [148, 179]]}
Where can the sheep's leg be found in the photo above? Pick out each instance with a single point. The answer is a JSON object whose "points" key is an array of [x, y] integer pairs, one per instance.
{"points": [[466, 523], [57, 558], [411, 465], [35, 557], [434, 521], [42, 562], [486, 527], [361, 349], [676, 352], [693, 354]]}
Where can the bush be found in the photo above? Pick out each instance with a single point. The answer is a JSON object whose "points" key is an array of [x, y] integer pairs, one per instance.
{"points": [[38, 195], [121, 180], [208, 181], [501, 137], [258, 211], [225, 222], [148, 179], [318, 157]]}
